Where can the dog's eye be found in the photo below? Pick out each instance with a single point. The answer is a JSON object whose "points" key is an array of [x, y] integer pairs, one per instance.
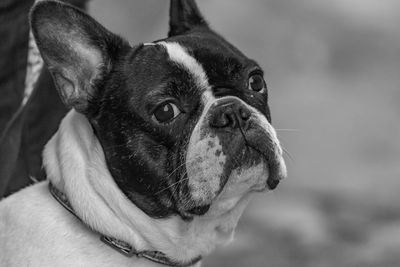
{"points": [[166, 112], [257, 83]]}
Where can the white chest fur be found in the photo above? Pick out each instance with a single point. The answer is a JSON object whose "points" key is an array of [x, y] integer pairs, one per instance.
{"points": [[36, 231]]}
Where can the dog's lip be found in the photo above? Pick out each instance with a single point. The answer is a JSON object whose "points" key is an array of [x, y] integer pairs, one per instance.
{"points": [[274, 176], [270, 156], [272, 183], [260, 153], [199, 210]]}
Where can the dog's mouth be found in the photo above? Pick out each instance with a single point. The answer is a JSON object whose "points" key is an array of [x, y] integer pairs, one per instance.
{"points": [[236, 183], [260, 149], [275, 174], [253, 164]]}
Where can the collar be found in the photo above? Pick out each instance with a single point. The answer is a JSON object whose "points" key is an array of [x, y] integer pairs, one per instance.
{"points": [[121, 246]]}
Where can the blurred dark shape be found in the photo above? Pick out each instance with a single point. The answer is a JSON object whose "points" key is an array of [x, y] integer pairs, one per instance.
{"points": [[23, 130], [14, 32]]}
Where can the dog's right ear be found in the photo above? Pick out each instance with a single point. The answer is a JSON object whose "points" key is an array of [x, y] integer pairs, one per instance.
{"points": [[77, 50], [184, 15]]}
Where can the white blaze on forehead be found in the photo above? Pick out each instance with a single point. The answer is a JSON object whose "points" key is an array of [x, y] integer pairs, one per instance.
{"points": [[179, 55]]}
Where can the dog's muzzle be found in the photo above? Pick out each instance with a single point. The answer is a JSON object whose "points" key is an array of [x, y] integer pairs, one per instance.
{"points": [[232, 115], [233, 150]]}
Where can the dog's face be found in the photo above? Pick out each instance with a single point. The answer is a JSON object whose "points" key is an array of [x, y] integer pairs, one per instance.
{"points": [[184, 121]]}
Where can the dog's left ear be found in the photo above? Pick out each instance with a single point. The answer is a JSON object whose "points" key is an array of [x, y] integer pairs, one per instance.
{"points": [[77, 50], [184, 16]]}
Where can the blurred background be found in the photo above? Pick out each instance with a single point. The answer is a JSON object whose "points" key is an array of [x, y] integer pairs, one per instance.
{"points": [[333, 70]]}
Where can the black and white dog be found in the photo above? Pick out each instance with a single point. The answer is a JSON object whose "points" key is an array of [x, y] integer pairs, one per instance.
{"points": [[164, 146]]}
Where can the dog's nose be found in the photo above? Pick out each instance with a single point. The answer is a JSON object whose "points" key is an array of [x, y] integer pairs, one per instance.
{"points": [[230, 114]]}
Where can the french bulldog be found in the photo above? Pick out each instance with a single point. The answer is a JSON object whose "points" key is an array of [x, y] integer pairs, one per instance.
{"points": [[164, 145]]}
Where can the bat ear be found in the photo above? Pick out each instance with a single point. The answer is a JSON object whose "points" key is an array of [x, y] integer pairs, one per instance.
{"points": [[184, 16], [77, 50]]}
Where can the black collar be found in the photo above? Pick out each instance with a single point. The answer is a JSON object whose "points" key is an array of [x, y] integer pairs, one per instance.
{"points": [[121, 246]]}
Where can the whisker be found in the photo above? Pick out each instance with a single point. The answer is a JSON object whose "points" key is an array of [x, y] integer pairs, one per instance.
{"points": [[288, 130], [175, 187], [287, 153], [169, 175], [172, 185], [285, 150], [179, 166]]}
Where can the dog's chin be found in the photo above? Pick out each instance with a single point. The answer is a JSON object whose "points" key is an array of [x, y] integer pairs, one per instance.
{"points": [[226, 171], [243, 180]]}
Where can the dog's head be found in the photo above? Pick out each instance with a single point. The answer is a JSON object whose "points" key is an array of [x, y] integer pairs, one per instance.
{"points": [[184, 121]]}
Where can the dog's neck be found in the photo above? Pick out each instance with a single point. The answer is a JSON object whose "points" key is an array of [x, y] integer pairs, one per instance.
{"points": [[75, 164]]}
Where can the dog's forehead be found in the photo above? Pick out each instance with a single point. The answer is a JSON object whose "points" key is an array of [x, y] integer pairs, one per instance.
{"points": [[223, 63], [182, 58], [208, 60], [165, 68]]}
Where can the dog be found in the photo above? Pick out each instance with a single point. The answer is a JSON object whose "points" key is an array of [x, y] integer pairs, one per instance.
{"points": [[163, 148]]}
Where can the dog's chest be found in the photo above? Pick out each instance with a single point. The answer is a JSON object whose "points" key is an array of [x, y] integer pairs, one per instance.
{"points": [[36, 231]]}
